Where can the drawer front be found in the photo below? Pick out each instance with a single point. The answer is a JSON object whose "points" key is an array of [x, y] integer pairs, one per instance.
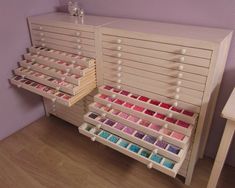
{"points": [[132, 150], [66, 49], [111, 69], [79, 40], [50, 93], [173, 71], [73, 45], [148, 44], [119, 49], [59, 30], [109, 55]]}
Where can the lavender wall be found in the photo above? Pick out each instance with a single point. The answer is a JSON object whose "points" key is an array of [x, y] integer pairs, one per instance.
{"points": [[214, 13], [17, 107]]}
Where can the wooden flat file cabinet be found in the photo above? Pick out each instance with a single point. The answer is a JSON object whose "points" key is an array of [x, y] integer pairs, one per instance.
{"points": [[157, 84]]}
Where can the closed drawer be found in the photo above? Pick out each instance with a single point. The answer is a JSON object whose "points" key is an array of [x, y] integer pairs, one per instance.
{"points": [[59, 30], [112, 69], [73, 45], [151, 159], [50, 93], [165, 47], [82, 39], [172, 71], [80, 52], [155, 54], [112, 56]]}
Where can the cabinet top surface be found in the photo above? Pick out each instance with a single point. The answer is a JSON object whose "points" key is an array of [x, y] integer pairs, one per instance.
{"points": [[66, 18], [168, 29], [229, 108]]}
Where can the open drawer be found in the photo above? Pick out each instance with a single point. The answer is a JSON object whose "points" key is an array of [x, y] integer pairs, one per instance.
{"points": [[73, 58], [56, 73], [151, 158], [50, 93], [57, 84]]}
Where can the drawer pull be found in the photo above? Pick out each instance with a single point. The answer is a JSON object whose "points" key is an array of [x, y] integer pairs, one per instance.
{"points": [[118, 87], [79, 53], [119, 48], [77, 33], [38, 53], [19, 85], [103, 115], [73, 61], [177, 89], [53, 99], [183, 51], [175, 104], [165, 126], [79, 47], [176, 96], [42, 39], [53, 106], [170, 115], [119, 81], [180, 75], [93, 138], [150, 165], [155, 151], [109, 105], [53, 109], [41, 34], [40, 27], [78, 40], [181, 67], [119, 62], [119, 55], [98, 126], [113, 96], [119, 41], [43, 44], [119, 75], [181, 59], [119, 68], [179, 82]]}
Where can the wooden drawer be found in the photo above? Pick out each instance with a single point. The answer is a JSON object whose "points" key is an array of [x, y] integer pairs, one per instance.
{"points": [[60, 30], [137, 137], [114, 69], [144, 126], [157, 63], [60, 55], [160, 87], [132, 150], [75, 39], [164, 47], [65, 49], [165, 109], [57, 84], [77, 46], [61, 65], [124, 49], [50, 93], [152, 60], [146, 114], [62, 75]]}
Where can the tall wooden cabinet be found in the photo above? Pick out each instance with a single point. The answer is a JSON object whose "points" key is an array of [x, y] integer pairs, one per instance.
{"points": [[157, 83]]}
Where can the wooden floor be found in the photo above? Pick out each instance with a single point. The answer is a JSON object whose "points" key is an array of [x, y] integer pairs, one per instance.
{"points": [[51, 153]]}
